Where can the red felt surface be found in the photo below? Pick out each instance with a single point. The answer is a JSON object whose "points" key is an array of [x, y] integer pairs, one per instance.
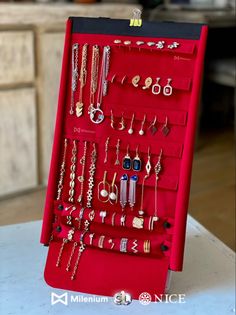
{"points": [[105, 271]]}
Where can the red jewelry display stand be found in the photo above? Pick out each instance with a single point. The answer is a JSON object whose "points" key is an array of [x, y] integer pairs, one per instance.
{"points": [[118, 189]]}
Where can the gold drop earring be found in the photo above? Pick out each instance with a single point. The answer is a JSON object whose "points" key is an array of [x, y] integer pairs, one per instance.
{"points": [[106, 149], [148, 83], [112, 120], [156, 88], [122, 123], [167, 89], [141, 131], [131, 130], [117, 161], [136, 80]]}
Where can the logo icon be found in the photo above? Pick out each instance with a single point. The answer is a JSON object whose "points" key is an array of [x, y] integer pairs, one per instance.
{"points": [[122, 298], [55, 298], [145, 298]]}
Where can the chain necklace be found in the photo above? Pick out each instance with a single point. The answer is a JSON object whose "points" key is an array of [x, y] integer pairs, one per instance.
{"points": [[74, 71], [82, 79], [94, 77], [96, 114]]}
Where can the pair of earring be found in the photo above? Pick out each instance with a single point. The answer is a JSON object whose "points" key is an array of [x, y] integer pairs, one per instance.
{"points": [[131, 129], [167, 89], [121, 123], [165, 128], [128, 163], [124, 191], [147, 82], [108, 192]]}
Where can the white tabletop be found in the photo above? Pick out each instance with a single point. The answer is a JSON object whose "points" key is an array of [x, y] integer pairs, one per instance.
{"points": [[207, 280]]}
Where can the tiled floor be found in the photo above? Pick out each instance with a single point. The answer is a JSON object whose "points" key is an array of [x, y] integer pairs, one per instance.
{"points": [[212, 200]]}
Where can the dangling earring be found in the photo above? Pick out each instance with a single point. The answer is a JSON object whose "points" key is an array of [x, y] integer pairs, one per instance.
{"points": [[148, 83], [165, 129], [117, 161], [167, 90], [132, 191], [156, 88], [148, 168], [157, 170], [130, 131], [122, 123], [112, 120], [126, 162], [103, 189], [153, 127], [141, 131], [106, 149], [123, 191], [136, 165], [113, 193]]}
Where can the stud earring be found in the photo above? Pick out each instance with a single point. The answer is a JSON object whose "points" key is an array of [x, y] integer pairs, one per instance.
{"points": [[117, 161], [160, 44], [148, 83], [132, 191], [106, 149], [153, 127], [139, 43], [167, 89], [165, 129], [131, 130], [173, 45], [113, 193], [112, 120], [150, 44], [136, 80], [157, 169], [156, 88], [123, 191], [103, 189], [141, 131], [122, 123], [137, 164], [126, 162]]}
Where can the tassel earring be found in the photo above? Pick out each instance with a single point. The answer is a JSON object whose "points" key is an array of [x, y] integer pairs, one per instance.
{"points": [[132, 191], [123, 191]]}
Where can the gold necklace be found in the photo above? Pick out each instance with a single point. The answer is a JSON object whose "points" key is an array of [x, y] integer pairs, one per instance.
{"points": [[82, 79]]}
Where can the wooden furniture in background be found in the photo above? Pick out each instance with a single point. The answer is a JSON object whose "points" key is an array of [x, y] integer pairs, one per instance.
{"points": [[31, 45]]}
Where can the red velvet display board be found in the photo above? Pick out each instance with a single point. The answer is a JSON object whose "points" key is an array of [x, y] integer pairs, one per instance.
{"points": [[116, 254]]}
